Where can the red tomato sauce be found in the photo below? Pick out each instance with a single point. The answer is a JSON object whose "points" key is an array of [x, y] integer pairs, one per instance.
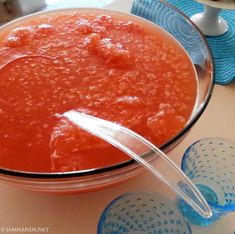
{"points": [[105, 64]]}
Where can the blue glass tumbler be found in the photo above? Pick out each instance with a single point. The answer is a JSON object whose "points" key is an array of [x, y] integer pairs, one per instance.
{"points": [[142, 213], [210, 164]]}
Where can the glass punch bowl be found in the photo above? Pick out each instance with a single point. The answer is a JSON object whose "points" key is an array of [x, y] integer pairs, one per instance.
{"points": [[177, 24]]}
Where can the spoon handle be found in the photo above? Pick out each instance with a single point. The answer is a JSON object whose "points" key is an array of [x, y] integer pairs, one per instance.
{"points": [[139, 148]]}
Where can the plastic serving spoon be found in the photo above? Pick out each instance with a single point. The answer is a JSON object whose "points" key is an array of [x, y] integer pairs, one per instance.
{"points": [[137, 148]]}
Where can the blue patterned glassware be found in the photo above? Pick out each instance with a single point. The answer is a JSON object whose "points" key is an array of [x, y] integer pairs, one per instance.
{"points": [[210, 164], [142, 213]]}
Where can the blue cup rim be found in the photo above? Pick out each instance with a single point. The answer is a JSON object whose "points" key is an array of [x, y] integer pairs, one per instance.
{"points": [[224, 208], [105, 212]]}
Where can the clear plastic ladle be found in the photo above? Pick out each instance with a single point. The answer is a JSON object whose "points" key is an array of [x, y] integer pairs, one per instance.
{"points": [[137, 147]]}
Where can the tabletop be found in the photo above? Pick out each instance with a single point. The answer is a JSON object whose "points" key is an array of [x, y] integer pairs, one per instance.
{"points": [[80, 213]]}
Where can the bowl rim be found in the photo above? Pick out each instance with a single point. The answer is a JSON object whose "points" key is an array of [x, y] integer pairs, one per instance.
{"points": [[127, 163]]}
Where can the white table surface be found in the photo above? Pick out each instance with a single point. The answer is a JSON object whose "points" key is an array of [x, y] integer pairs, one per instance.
{"points": [[80, 213]]}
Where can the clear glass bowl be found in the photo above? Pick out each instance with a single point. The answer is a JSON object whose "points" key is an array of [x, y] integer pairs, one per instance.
{"points": [[174, 22]]}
